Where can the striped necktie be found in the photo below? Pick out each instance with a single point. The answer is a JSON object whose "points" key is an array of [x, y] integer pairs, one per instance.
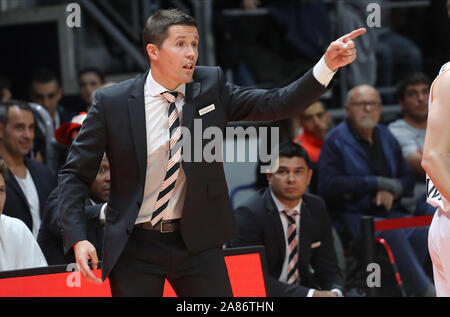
{"points": [[292, 239], [173, 164]]}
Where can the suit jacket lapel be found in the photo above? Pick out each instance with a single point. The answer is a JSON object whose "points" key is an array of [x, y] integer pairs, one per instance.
{"points": [[304, 239], [274, 218], [136, 110], [11, 180], [192, 92]]}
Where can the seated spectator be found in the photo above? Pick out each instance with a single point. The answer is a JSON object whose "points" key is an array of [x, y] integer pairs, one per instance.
{"points": [[272, 219], [29, 182], [362, 168], [412, 95], [5, 90], [89, 80], [316, 122], [46, 91], [18, 248], [50, 237]]}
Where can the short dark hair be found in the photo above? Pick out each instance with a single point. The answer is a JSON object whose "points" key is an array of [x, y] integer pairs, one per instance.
{"points": [[291, 149], [4, 108], [155, 30], [44, 76], [94, 70], [413, 79]]}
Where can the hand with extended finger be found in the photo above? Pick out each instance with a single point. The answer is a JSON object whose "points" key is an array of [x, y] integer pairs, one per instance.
{"points": [[342, 51]]}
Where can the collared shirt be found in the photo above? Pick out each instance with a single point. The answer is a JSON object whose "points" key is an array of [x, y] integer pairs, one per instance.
{"points": [[284, 221], [157, 129]]}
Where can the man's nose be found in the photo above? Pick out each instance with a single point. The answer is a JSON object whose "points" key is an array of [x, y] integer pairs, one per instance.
{"points": [[29, 133], [190, 52]]}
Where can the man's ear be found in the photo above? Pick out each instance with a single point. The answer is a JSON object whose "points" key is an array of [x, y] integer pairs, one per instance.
{"points": [[310, 173], [2, 126], [268, 176], [152, 52]]}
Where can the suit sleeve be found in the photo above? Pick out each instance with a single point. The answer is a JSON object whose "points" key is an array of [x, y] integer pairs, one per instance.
{"points": [[79, 172], [252, 104]]}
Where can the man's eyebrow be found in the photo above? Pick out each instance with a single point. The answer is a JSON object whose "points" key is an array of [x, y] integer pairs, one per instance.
{"points": [[185, 36]]}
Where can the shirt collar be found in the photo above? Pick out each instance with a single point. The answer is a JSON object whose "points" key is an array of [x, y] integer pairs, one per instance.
{"points": [[155, 89], [280, 206]]}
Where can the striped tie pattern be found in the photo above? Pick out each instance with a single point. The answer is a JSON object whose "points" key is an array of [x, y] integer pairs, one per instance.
{"points": [[292, 239], [173, 164]]}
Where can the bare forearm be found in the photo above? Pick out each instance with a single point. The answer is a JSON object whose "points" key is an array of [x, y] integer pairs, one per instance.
{"points": [[437, 167]]}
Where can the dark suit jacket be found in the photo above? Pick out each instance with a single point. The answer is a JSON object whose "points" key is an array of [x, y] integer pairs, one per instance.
{"points": [[16, 204], [259, 223], [50, 233], [115, 124]]}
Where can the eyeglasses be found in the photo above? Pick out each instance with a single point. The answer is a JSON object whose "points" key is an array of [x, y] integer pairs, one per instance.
{"points": [[364, 104]]}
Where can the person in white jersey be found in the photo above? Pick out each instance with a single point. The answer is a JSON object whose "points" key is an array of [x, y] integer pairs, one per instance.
{"points": [[436, 162]]}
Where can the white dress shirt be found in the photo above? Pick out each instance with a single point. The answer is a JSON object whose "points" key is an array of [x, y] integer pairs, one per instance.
{"points": [[284, 221], [157, 129]]}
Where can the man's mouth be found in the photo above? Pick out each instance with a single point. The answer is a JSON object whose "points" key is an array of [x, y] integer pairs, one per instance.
{"points": [[189, 66]]}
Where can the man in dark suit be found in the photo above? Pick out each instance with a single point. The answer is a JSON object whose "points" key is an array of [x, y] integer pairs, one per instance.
{"points": [[50, 238], [29, 182], [167, 217], [264, 220]]}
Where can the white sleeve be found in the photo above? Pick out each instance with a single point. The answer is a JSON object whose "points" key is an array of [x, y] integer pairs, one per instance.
{"points": [[322, 72]]}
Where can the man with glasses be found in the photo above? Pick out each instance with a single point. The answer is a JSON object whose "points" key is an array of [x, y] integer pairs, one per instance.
{"points": [[362, 172]]}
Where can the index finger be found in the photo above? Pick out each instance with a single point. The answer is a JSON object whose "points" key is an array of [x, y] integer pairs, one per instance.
{"points": [[353, 35]]}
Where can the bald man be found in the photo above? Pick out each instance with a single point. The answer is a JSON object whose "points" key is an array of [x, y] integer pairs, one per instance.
{"points": [[362, 169]]}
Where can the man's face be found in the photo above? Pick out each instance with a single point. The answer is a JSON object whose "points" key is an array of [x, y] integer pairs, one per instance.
{"points": [[291, 180], [100, 186], [415, 102], [47, 95], [18, 133], [364, 107], [173, 63], [2, 193], [316, 120], [89, 82]]}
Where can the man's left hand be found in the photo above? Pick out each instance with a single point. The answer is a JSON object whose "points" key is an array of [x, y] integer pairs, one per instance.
{"points": [[342, 51]]}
